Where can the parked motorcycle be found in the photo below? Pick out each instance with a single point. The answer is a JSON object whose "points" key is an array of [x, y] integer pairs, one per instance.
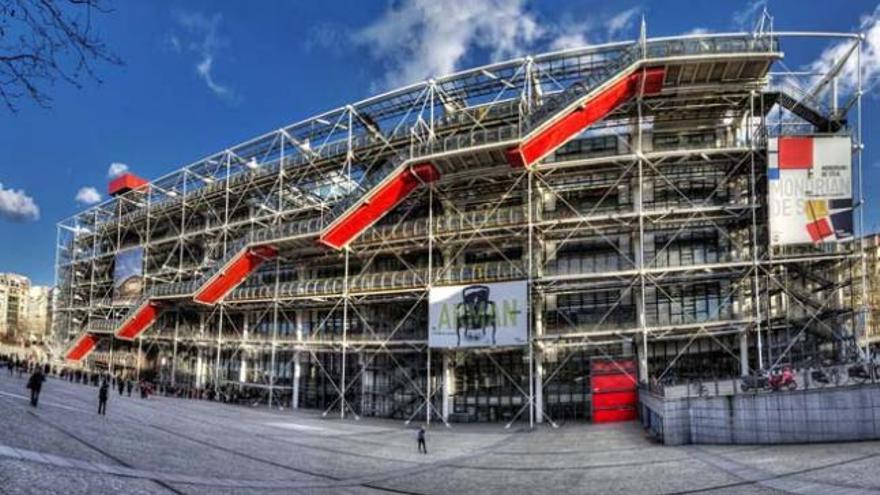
{"points": [[861, 372], [757, 381], [761, 380], [783, 380], [826, 375]]}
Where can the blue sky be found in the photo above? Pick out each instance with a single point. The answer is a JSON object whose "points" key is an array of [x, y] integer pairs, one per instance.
{"points": [[201, 76]]}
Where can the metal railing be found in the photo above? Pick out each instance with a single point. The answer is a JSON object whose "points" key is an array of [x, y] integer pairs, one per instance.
{"points": [[372, 282], [558, 101]]}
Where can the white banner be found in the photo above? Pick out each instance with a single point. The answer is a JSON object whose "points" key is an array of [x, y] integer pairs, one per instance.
{"points": [[810, 189], [479, 315]]}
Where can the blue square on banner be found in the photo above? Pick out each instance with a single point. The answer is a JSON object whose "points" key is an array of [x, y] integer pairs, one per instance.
{"points": [[773, 173]]}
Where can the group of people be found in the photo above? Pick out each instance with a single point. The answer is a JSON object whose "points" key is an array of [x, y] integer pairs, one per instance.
{"points": [[39, 373], [104, 381]]}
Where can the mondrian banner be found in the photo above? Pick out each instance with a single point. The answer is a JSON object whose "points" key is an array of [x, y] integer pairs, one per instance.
{"points": [[810, 189]]}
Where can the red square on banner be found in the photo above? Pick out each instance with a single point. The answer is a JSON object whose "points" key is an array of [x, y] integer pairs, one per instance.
{"points": [[819, 229], [796, 153]]}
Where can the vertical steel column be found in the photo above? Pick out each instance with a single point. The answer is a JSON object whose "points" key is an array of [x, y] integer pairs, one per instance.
{"points": [[531, 297], [428, 390], [182, 224], [444, 408], [538, 331], [345, 280], [863, 310], [54, 338], [138, 367], [430, 283], [753, 200], [200, 356], [344, 337], [174, 349], [219, 345], [92, 256], [530, 276], [640, 211], [274, 334], [297, 371]]}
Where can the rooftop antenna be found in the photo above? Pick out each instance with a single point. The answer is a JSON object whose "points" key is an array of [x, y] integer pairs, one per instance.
{"points": [[764, 26], [643, 36]]}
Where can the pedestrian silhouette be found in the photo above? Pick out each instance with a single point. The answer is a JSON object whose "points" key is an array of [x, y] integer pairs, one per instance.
{"points": [[35, 383], [103, 392], [421, 438]]}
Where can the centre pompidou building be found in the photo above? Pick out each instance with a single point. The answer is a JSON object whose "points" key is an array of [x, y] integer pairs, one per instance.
{"points": [[603, 202]]}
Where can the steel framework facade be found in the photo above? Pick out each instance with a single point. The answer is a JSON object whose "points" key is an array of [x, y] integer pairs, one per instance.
{"points": [[643, 233]]}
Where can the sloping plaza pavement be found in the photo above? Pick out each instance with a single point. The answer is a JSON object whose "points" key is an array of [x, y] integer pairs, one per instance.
{"points": [[165, 445]]}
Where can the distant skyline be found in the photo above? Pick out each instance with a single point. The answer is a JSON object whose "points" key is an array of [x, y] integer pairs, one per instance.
{"points": [[201, 76]]}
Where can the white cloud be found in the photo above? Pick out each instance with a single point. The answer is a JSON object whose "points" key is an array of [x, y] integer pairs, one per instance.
{"points": [[201, 38], [204, 70], [88, 196], [746, 18], [326, 38], [116, 169], [848, 79], [696, 30], [423, 38], [418, 39], [621, 22], [174, 43], [565, 41], [17, 206]]}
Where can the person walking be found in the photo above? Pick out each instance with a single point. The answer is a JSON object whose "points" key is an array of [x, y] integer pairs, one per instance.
{"points": [[121, 383], [421, 438], [35, 384], [103, 392], [129, 385]]}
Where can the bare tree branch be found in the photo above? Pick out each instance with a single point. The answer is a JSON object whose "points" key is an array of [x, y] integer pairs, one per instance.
{"points": [[44, 41]]}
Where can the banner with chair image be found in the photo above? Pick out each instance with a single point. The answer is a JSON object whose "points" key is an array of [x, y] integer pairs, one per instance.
{"points": [[479, 315]]}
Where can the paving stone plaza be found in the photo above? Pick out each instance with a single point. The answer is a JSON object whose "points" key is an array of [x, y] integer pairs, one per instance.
{"points": [[165, 445]]}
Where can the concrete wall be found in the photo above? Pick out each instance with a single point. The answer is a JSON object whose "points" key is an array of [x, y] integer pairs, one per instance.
{"points": [[817, 415]]}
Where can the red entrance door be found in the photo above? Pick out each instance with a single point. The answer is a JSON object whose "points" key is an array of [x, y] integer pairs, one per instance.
{"points": [[615, 396]]}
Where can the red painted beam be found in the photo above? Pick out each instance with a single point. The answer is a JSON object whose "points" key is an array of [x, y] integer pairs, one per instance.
{"points": [[234, 273], [143, 317], [385, 199], [547, 140], [81, 348]]}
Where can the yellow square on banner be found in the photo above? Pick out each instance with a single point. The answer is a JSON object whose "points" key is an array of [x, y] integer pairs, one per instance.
{"points": [[816, 209]]}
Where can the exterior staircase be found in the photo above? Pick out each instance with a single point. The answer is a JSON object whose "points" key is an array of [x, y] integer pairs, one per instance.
{"points": [[799, 107], [566, 114], [81, 347], [384, 191]]}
